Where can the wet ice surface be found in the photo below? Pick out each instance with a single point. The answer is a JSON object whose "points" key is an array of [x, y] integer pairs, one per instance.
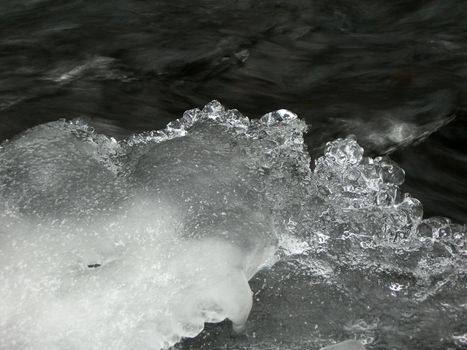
{"points": [[135, 244]]}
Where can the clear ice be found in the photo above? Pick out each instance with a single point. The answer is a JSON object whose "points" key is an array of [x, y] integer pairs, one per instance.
{"points": [[135, 244]]}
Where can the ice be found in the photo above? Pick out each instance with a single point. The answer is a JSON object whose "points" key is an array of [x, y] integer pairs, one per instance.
{"points": [[135, 244], [346, 345]]}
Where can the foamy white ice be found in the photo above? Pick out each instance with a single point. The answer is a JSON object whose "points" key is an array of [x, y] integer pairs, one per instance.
{"points": [[136, 244], [133, 245]]}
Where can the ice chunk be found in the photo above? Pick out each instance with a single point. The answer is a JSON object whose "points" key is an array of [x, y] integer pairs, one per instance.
{"points": [[136, 244]]}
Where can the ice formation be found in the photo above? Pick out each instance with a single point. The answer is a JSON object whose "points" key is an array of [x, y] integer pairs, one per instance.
{"points": [[136, 244], [346, 345]]}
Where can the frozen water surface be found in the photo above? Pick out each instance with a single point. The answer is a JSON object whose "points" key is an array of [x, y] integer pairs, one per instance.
{"points": [[137, 244]]}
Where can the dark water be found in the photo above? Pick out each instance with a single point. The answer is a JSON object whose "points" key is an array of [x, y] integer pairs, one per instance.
{"points": [[392, 73]]}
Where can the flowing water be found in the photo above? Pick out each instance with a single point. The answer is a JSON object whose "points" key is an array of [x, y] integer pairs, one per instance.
{"points": [[220, 231]]}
